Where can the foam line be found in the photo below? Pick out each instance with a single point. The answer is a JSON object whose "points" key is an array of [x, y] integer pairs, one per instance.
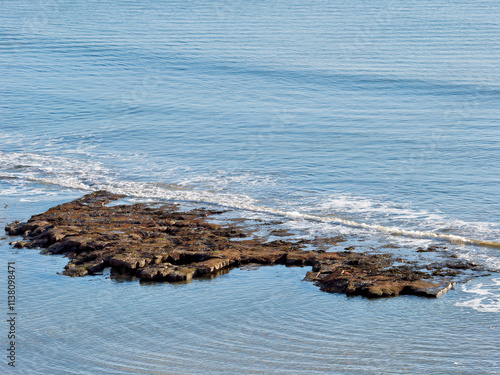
{"points": [[395, 231], [151, 190], [96, 177], [246, 203]]}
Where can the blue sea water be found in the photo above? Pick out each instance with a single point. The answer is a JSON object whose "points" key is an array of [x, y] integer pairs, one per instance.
{"points": [[375, 120]]}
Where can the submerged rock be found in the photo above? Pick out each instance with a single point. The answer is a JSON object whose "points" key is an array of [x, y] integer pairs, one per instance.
{"points": [[159, 242]]}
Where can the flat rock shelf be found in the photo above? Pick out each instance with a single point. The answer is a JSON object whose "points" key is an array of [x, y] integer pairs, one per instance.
{"points": [[160, 242]]}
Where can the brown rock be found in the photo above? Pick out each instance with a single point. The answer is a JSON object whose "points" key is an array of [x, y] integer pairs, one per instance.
{"points": [[158, 271], [430, 289], [157, 242], [127, 262], [300, 258], [211, 265], [266, 257], [181, 274]]}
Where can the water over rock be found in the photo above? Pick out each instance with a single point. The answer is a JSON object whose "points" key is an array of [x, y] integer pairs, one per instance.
{"points": [[159, 242]]}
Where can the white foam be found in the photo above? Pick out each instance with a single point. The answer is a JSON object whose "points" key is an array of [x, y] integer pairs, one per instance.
{"points": [[487, 297], [93, 175]]}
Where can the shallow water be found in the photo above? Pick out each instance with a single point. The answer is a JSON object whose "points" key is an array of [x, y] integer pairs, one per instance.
{"points": [[375, 121]]}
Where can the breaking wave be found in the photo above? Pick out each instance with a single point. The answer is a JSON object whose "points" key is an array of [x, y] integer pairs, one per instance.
{"points": [[95, 175], [487, 296]]}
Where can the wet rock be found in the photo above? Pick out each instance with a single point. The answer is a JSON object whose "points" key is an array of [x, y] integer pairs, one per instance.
{"points": [[158, 242], [18, 228], [14, 228], [19, 244], [127, 262], [300, 259], [55, 235], [74, 270], [56, 248], [390, 246], [181, 274], [97, 265], [281, 233], [265, 257], [156, 272], [369, 275], [211, 265], [433, 289]]}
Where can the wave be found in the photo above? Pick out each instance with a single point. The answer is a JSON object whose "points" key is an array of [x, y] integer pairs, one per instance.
{"points": [[487, 297], [94, 175]]}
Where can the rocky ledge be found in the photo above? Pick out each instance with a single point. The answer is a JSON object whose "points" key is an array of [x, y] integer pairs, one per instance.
{"points": [[159, 242]]}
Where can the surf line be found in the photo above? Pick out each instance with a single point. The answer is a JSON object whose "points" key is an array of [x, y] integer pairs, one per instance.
{"points": [[227, 200], [392, 230], [395, 231]]}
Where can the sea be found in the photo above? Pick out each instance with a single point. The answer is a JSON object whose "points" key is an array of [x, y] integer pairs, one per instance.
{"points": [[375, 120]]}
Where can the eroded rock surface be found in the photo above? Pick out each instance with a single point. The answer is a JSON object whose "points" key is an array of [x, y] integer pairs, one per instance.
{"points": [[159, 242]]}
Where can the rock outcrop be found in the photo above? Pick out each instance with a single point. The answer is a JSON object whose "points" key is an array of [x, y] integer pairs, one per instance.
{"points": [[159, 242]]}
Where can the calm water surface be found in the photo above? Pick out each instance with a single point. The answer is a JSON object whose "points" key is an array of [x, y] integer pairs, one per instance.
{"points": [[378, 121]]}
